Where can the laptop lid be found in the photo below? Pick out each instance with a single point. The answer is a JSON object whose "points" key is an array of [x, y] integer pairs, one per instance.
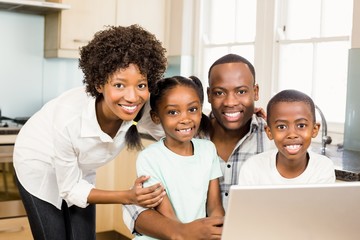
{"points": [[293, 212]]}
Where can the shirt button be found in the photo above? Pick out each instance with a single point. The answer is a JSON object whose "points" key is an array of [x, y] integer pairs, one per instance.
{"points": [[229, 166], [226, 194]]}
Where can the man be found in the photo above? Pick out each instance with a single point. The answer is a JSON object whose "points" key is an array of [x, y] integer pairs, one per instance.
{"points": [[237, 134]]}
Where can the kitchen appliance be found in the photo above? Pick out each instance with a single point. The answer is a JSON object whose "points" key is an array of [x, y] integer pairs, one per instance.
{"points": [[10, 201]]}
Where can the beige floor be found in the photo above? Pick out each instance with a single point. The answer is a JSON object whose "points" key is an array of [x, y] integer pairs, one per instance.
{"points": [[110, 236]]}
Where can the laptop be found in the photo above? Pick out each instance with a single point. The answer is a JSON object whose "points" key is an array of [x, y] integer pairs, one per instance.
{"points": [[293, 212]]}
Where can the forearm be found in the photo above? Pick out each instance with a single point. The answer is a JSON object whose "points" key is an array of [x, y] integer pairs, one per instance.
{"points": [[165, 208], [214, 207], [98, 196], [216, 212], [153, 224]]}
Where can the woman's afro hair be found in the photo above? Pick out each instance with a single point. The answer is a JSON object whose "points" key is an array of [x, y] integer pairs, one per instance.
{"points": [[116, 48]]}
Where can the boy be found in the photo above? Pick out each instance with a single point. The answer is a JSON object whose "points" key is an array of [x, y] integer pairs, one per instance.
{"points": [[291, 124]]}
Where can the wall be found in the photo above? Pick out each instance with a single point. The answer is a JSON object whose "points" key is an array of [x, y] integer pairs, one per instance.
{"points": [[27, 79], [352, 115]]}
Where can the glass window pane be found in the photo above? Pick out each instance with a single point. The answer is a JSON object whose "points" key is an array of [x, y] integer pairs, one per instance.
{"points": [[246, 51], [222, 21], [330, 79], [245, 20], [210, 56], [337, 17], [303, 19], [296, 72]]}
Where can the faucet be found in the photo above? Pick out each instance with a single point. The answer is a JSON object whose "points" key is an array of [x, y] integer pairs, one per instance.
{"points": [[325, 139]]}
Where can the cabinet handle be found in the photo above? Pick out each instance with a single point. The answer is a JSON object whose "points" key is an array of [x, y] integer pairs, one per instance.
{"points": [[12, 229], [81, 40]]}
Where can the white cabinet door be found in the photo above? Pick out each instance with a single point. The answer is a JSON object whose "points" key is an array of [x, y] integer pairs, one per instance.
{"points": [[67, 31], [151, 15], [15, 229]]}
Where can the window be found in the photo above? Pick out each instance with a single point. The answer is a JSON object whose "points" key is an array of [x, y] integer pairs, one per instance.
{"points": [[313, 39], [293, 44], [228, 26]]}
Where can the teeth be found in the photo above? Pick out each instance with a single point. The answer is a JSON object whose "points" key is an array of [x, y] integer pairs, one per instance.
{"points": [[292, 147], [129, 108], [233, 114], [185, 130]]}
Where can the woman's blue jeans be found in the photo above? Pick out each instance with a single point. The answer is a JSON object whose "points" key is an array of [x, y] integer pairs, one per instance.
{"points": [[49, 223]]}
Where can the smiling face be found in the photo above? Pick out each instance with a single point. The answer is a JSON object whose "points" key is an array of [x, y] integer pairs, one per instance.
{"points": [[179, 113], [232, 94], [291, 125], [124, 94]]}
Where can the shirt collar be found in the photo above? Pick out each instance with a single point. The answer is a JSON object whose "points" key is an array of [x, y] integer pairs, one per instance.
{"points": [[254, 125], [90, 126]]}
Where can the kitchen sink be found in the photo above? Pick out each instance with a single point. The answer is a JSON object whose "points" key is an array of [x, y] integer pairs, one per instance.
{"points": [[346, 162]]}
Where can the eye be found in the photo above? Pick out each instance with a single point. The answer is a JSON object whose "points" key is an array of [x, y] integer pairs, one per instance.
{"points": [[119, 85], [142, 86], [242, 91], [281, 127], [301, 125], [218, 93], [172, 112], [193, 109]]}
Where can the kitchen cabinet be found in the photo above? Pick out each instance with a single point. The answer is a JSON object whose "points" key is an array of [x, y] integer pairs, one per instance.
{"points": [[32, 6], [151, 15], [15, 229], [68, 30]]}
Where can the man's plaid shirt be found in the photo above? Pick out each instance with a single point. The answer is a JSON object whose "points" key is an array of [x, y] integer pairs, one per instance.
{"points": [[254, 142]]}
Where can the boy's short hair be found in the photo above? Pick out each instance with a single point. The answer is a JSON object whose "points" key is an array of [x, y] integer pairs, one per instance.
{"points": [[232, 58], [290, 95]]}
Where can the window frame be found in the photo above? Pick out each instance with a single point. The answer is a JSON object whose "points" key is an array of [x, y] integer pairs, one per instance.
{"points": [[266, 49]]}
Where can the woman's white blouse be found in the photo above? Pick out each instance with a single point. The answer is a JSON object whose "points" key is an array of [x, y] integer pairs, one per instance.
{"points": [[58, 150]]}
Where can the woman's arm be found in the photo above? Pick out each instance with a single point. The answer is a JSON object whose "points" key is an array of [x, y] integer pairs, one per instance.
{"points": [[260, 112], [214, 205], [148, 197]]}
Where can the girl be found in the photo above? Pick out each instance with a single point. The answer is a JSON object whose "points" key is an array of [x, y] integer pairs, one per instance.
{"points": [[59, 149], [188, 168]]}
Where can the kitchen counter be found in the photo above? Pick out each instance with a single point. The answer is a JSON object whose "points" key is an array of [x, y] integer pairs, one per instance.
{"points": [[346, 162]]}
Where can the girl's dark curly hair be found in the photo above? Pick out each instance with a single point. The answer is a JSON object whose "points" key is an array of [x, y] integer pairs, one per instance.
{"points": [[165, 84], [118, 47]]}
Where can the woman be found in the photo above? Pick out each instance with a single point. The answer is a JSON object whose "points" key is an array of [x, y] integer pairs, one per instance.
{"points": [[59, 149]]}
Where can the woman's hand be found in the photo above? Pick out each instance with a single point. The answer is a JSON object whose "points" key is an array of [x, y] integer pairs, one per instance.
{"points": [[260, 112], [148, 197]]}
